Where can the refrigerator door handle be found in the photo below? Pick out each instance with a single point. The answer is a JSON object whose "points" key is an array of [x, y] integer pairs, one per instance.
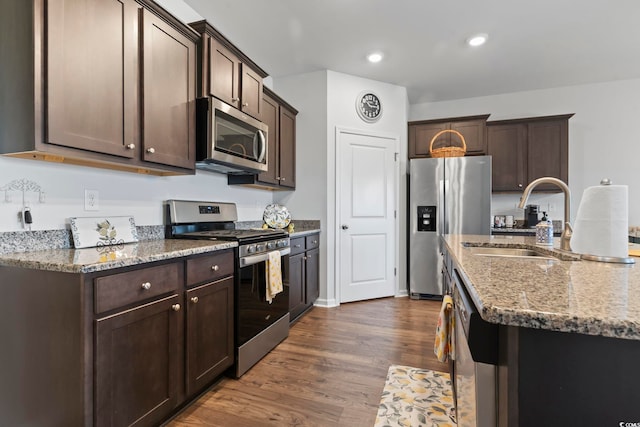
{"points": [[442, 225]]}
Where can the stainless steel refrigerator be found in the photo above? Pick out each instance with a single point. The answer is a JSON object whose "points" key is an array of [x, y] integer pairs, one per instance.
{"points": [[446, 196]]}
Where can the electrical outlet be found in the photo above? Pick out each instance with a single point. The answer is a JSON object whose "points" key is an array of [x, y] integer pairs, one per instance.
{"points": [[91, 199]]}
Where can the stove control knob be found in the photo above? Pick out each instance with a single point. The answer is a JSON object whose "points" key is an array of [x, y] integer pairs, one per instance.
{"points": [[281, 243], [259, 248], [251, 249], [271, 245]]}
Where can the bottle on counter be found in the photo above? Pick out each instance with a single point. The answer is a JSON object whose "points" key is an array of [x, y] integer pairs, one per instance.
{"points": [[544, 231]]}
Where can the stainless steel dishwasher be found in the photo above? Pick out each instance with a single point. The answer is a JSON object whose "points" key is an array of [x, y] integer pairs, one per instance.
{"points": [[476, 357]]}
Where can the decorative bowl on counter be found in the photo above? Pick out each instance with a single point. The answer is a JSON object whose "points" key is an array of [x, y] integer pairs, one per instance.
{"points": [[276, 216]]}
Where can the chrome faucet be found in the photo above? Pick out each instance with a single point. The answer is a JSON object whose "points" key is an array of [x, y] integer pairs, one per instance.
{"points": [[567, 231]]}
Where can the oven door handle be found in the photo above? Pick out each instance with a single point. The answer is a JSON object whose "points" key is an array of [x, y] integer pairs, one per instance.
{"points": [[255, 259]]}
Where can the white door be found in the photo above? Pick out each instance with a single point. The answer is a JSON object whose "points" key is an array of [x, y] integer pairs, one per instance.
{"points": [[366, 184]]}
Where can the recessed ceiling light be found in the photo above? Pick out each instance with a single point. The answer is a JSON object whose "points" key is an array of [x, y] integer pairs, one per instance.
{"points": [[374, 57], [477, 40]]}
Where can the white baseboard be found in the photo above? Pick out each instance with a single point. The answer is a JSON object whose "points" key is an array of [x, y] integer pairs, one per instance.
{"points": [[327, 303]]}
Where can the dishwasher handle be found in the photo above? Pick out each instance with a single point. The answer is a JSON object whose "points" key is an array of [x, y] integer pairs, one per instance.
{"points": [[482, 336]]}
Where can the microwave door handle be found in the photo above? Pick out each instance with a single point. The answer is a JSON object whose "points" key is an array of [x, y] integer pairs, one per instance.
{"points": [[263, 145]]}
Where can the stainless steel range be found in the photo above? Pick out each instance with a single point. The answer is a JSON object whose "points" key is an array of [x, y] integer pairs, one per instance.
{"points": [[259, 325]]}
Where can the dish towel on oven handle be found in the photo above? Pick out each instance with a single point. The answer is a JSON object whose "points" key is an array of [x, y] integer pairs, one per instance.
{"points": [[274, 275], [444, 346]]}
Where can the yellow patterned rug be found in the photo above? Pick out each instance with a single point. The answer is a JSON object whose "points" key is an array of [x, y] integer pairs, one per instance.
{"points": [[416, 398]]}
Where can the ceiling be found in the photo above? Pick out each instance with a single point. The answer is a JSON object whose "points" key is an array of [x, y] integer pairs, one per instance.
{"points": [[532, 44]]}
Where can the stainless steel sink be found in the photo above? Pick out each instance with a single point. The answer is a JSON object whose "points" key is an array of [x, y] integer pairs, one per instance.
{"points": [[508, 252]]}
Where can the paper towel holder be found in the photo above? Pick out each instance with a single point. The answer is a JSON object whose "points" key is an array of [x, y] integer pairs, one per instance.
{"points": [[617, 260]]}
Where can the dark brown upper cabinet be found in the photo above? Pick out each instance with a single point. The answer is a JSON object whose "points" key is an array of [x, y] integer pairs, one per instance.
{"points": [[472, 128], [280, 117], [227, 73], [526, 149], [107, 83], [169, 80]]}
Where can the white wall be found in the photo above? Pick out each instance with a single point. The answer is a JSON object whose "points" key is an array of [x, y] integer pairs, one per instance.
{"points": [[603, 139], [326, 100], [120, 193]]}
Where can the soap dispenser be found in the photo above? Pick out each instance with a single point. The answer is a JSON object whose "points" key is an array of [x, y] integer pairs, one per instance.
{"points": [[544, 231]]}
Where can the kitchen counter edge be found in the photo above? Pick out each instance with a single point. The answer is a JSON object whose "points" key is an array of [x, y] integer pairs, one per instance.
{"points": [[304, 232], [91, 260]]}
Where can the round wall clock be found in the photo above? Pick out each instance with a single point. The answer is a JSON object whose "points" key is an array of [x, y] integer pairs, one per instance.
{"points": [[368, 106]]}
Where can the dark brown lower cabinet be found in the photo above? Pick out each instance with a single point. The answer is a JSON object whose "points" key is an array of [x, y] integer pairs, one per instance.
{"points": [[137, 362], [302, 274], [209, 343], [296, 278], [312, 276], [122, 347]]}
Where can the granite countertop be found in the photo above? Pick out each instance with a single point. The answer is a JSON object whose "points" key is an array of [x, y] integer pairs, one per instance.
{"points": [[91, 260], [303, 231], [587, 297]]}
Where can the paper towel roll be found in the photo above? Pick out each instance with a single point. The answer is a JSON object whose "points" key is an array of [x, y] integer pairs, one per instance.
{"points": [[601, 225]]}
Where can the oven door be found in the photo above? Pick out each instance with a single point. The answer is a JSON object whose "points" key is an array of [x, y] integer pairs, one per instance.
{"points": [[253, 313]]}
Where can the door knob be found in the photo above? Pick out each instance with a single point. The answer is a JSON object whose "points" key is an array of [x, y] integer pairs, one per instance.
{"points": [[345, 227]]}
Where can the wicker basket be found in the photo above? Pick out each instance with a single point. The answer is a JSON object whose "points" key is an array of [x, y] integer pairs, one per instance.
{"points": [[450, 151]]}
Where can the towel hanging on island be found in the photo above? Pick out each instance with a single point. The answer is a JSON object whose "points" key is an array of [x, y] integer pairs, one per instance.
{"points": [[444, 346], [273, 273]]}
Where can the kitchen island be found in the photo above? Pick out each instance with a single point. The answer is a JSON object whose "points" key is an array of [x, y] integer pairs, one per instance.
{"points": [[569, 332]]}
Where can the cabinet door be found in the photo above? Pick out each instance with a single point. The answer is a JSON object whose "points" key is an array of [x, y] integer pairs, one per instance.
{"points": [[92, 75], [474, 132], [312, 276], [547, 146], [138, 365], [296, 278], [169, 94], [420, 136], [270, 117], [287, 148], [251, 98], [507, 146], [209, 333], [224, 74]]}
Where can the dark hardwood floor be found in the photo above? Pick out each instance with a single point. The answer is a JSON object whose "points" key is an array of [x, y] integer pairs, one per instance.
{"points": [[330, 371]]}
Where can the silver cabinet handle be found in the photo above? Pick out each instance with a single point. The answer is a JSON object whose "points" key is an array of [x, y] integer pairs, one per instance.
{"points": [[131, 146], [345, 227], [315, 242], [245, 104], [175, 307], [146, 286], [283, 179], [519, 185], [278, 178], [195, 300], [297, 246], [235, 99], [151, 150], [215, 268]]}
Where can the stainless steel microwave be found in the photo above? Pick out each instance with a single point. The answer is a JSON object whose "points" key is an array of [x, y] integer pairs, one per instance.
{"points": [[229, 141]]}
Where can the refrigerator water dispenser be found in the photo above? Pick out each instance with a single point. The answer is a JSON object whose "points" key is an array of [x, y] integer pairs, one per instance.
{"points": [[426, 218]]}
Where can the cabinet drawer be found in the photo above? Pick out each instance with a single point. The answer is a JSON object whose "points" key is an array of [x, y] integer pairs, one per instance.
{"points": [[122, 289], [312, 241], [297, 245], [209, 268]]}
